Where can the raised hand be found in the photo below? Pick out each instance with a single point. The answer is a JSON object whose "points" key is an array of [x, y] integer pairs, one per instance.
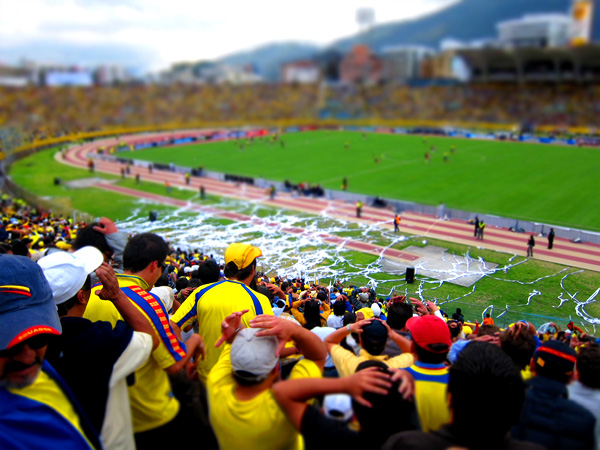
{"points": [[230, 326]]}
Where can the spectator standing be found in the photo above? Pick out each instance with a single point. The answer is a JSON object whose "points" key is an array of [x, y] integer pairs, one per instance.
{"points": [[239, 386], [530, 245], [481, 229], [208, 305], [37, 409], [585, 390], [549, 418], [397, 220], [155, 411], [551, 239], [430, 345], [373, 336], [108, 355], [479, 367], [359, 207]]}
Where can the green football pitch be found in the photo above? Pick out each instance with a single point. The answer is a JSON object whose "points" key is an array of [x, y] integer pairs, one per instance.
{"points": [[536, 182]]}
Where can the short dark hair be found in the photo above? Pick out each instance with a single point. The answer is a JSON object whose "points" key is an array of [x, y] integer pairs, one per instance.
{"points": [[349, 317], [484, 367], [392, 406], [454, 331], [398, 314], [264, 291], [162, 281], [209, 272], [194, 283], [88, 236], [488, 330], [518, 343], [181, 283], [339, 307], [232, 271], [312, 314], [588, 366], [142, 249], [63, 308], [429, 357]]}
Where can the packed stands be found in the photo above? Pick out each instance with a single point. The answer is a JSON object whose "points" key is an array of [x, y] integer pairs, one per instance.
{"points": [[52, 112]]}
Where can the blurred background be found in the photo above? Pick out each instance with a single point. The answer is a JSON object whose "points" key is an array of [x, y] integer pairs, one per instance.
{"points": [[523, 65]]}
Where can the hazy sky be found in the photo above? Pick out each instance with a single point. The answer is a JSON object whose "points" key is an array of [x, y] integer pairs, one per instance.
{"points": [[151, 34]]}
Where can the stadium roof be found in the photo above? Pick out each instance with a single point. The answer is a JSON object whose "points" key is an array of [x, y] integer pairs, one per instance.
{"points": [[534, 64]]}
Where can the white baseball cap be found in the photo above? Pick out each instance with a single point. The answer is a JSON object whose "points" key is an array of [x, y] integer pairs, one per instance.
{"points": [[66, 272], [253, 357]]}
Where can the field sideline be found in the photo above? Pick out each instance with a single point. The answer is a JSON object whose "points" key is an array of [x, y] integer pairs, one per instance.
{"points": [[544, 183]]}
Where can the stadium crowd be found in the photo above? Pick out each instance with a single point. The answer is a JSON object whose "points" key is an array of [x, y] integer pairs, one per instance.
{"points": [[116, 341], [45, 112]]}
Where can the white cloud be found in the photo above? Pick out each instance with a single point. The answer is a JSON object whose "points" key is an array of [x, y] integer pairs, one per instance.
{"points": [[174, 30]]}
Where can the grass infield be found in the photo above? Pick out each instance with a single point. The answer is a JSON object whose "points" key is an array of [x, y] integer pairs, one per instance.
{"points": [[536, 182], [36, 173]]}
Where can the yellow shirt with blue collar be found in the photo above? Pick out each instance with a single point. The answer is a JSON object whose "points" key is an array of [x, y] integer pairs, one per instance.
{"points": [[209, 304], [151, 397], [44, 415], [431, 382]]}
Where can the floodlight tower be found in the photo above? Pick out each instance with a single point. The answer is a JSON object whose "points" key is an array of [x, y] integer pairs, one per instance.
{"points": [[365, 18], [582, 13]]}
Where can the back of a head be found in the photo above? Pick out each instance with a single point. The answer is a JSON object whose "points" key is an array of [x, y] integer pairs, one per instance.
{"points": [[398, 314], [339, 308], [488, 330], [264, 291], [349, 318], [312, 314], [88, 236], [588, 366], [389, 413], [555, 360], [518, 343], [181, 283], [484, 367], [374, 337], [209, 272], [142, 249]]}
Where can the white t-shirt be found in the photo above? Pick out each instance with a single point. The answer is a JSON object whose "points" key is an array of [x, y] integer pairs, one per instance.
{"points": [[117, 429], [335, 321]]}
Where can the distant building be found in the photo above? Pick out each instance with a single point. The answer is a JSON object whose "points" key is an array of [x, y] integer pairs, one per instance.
{"points": [[106, 75], [14, 76], [403, 62], [300, 72], [439, 66], [203, 72], [536, 30], [361, 66]]}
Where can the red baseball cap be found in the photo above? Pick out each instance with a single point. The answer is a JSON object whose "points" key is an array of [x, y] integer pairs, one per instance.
{"points": [[427, 330]]}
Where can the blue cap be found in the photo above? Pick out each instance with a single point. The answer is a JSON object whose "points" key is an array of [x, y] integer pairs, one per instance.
{"points": [[26, 305]]}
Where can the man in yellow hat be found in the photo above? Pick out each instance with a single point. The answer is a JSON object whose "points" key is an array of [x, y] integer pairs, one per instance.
{"points": [[208, 305]]}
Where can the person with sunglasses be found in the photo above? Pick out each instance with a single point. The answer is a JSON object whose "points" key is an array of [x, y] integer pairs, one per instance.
{"points": [[37, 408]]}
